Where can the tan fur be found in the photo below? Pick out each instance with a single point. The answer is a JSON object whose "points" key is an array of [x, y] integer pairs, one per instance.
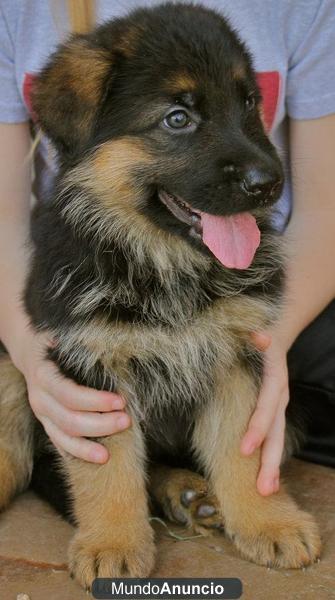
{"points": [[84, 69], [16, 433], [239, 71], [81, 70], [181, 83], [268, 530], [8, 478], [111, 169], [114, 538]]}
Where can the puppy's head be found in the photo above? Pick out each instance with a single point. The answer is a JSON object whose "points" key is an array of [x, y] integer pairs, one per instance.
{"points": [[159, 115]]}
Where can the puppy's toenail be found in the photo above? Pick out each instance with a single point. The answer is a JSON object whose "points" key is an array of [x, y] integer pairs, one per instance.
{"points": [[206, 510], [179, 516], [187, 497]]}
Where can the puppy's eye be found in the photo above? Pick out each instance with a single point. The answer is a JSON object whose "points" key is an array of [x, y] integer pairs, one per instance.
{"points": [[250, 102], [177, 119]]}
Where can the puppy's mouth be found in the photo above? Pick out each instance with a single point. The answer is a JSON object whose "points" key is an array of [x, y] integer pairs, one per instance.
{"points": [[233, 239], [183, 212]]}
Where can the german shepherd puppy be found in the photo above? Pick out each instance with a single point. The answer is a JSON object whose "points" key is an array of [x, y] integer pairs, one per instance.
{"points": [[153, 262]]}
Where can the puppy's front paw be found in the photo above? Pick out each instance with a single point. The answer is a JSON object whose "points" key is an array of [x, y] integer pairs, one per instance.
{"points": [[116, 555], [288, 540]]}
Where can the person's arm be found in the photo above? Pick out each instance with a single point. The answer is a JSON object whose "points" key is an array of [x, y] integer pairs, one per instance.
{"points": [[66, 410], [310, 243]]}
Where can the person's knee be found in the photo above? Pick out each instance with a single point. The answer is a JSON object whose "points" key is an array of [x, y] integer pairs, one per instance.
{"points": [[311, 359]]}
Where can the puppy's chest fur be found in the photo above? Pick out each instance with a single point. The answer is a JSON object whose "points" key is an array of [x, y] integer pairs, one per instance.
{"points": [[168, 361], [166, 373]]}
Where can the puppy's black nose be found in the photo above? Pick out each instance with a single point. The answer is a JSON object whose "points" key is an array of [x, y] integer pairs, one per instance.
{"points": [[256, 181]]}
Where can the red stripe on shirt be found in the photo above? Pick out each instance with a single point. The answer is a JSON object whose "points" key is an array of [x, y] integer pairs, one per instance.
{"points": [[28, 82], [269, 83]]}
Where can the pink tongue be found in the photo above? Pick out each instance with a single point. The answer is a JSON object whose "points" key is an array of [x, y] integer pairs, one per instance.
{"points": [[233, 240]]}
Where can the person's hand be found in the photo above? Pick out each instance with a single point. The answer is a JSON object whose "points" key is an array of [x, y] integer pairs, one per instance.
{"points": [[69, 412], [267, 425]]}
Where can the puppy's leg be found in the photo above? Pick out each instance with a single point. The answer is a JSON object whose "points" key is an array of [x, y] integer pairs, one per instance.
{"points": [[185, 497], [114, 538], [16, 432], [268, 530]]}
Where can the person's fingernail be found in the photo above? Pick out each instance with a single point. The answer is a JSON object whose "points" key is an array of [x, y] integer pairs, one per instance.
{"points": [[249, 447], [268, 488], [118, 403], [276, 484], [99, 456], [123, 422]]}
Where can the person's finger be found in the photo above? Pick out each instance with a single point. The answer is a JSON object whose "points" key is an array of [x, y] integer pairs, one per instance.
{"points": [[59, 449], [272, 450], [79, 447], [81, 398], [261, 340], [96, 425], [75, 396], [260, 422], [81, 423]]}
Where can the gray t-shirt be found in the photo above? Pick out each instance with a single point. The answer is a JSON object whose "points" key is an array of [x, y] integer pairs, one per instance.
{"points": [[292, 43]]}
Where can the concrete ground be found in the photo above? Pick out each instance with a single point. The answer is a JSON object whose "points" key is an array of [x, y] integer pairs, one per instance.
{"points": [[33, 543]]}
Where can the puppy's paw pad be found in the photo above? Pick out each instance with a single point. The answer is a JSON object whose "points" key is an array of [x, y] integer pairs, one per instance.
{"points": [[205, 514], [189, 502]]}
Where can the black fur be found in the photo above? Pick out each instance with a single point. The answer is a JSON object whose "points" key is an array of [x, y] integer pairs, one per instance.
{"points": [[132, 100]]}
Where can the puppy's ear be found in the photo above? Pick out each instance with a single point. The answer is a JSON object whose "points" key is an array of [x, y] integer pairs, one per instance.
{"points": [[66, 94]]}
